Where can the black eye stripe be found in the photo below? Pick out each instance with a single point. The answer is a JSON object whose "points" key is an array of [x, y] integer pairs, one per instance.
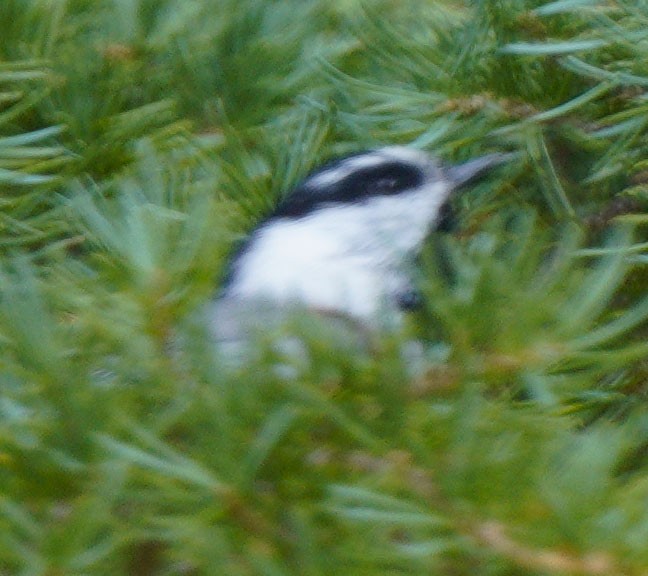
{"points": [[382, 179]]}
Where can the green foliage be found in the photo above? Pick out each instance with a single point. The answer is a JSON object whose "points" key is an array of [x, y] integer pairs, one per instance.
{"points": [[538, 310], [140, 139], [30, 159]]}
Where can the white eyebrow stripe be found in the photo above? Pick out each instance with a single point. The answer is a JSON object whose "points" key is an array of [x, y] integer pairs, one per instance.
{"points": [[375, 158], [404, 154], [349, 166]]}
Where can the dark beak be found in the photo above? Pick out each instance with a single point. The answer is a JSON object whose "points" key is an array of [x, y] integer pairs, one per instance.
{"points": [[475, 169]]}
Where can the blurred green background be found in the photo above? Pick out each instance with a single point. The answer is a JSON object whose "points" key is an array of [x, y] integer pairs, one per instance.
{"points": [[140, 139]]}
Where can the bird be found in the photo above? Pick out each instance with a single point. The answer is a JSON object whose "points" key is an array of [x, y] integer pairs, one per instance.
{"points": [[341, 244]]}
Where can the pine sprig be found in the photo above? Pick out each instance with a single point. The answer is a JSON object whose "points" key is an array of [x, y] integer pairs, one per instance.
{"points": [[31, 160], [139, 140]]}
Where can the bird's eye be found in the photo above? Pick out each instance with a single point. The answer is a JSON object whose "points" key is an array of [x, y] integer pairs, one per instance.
{"points": [[386, 185]]}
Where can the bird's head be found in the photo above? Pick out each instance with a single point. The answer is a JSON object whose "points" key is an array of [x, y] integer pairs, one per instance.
{"points": [[393, 195]]}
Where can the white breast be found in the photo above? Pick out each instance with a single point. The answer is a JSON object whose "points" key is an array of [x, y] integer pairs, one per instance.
{"points": [[348, 259], [294, 262]]}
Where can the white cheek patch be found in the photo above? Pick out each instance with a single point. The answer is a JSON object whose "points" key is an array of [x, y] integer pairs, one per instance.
{"points": [[403, 221]]}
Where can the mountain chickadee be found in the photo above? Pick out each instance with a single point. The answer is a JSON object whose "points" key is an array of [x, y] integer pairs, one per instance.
{"points": [[340, 243]]}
